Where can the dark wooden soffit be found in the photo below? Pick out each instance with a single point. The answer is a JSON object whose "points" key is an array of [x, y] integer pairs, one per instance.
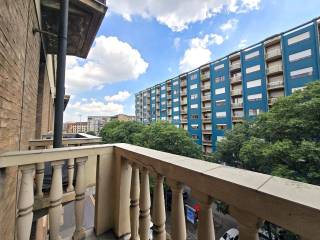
{"points": [[85, 17]]}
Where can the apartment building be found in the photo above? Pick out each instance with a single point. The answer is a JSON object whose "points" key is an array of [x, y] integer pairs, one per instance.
{"points": [[216, 96]]}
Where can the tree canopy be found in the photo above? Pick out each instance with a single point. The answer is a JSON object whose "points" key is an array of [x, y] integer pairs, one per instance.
{"points": [[160, 136], [282, 142]]}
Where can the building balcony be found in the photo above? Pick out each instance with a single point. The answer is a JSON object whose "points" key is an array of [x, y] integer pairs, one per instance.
{"points": [[207, 131], [274, 69], [184, 102], [236, 105], [207, 142], [236, 79], [236, 92], [272, 100], [183, 93], [122, 170], [184, 120], [169, 97], [183, 84], [205, 76], [273, 54], [168, 88], [237, 118], [206, 98], [206, 109], [275, 85], [205, 87], [235, 66], [183, 112], [206, 120]]}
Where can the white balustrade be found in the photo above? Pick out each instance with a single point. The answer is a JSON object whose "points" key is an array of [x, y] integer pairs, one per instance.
{"points": [[159, 211], [145, 203], [70, 187], [134, 203], [39, 179]]}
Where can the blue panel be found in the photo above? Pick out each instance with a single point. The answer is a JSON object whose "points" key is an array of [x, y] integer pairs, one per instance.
{"points": [[190, 82], [176, 95], [261, 74], [223, 72], [310, 43]]}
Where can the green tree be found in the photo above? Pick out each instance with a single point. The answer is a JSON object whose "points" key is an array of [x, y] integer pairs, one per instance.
{"points": [[120, 131], [165, 137]]}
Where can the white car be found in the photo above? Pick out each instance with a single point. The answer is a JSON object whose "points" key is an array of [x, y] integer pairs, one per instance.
{"points": [[231, 234]]}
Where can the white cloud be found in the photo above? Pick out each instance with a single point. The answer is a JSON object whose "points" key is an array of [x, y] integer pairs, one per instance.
{"points": [[121, 96], [178, 14], [243, 43], [198, 52], [176, 42], [230, 25], [109, 61], [91, 107]]}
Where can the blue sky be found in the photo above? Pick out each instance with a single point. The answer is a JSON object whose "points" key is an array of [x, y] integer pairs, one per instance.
{"points": [[141, 43]]}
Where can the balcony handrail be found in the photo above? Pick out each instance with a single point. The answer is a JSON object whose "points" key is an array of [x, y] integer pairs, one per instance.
{"points": [[251, 196]]}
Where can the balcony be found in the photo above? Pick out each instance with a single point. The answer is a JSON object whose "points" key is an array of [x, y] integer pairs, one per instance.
{"points": [[236, 92], [206, 120], [207, 142], [206, 98], [184, 102], [183, 112], [275, 85], [236, 79], [205, 76], [237, 118], [205, 87], [169, 97], [236, 105], [184, 120], [183, 93], [235, 66], [183, 84], [206, 109], [168, 88], [273, 54], [252, 197], [274, 69], [207, 131], [272, 100]]}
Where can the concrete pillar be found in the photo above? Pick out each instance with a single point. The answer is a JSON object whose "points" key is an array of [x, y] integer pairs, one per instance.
{"points": [[134, 203], [145, 203]]}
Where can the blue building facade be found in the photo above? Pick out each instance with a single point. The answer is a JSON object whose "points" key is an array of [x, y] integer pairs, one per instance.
{"points": [[216, 96]]}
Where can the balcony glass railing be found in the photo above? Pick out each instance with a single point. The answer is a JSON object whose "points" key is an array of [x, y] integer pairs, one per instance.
{"points": [[273, 53], [236, 92], [236, 79], [276, 84], [237, 105], [205, 76], [206, 98], [274, 69], [235, 66]]}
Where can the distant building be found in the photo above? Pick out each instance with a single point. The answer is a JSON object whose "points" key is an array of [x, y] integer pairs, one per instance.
{"points": [[95, 123], [76, 127], [123, 117]]}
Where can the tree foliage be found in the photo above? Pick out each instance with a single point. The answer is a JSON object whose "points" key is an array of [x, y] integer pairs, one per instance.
{"points": [[282, 142], [160, 136]]}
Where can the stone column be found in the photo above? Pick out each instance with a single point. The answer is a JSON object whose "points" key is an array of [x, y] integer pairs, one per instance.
{"points": [[39, 179], [79, 232], [70, 187], [177, 214], [248, 224], [159, 211], [205, 225], [25, 203], [55, 210], [134, 203], [145, 202]]}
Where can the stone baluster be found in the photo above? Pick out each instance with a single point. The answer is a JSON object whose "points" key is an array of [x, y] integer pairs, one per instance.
{"points": [[79, 232], [134, 203], [70, 187], [145, 202], [55, 210], [205, 225], [159, 212], [178, 216], [248, 224], [25, 203], [39, 179]]}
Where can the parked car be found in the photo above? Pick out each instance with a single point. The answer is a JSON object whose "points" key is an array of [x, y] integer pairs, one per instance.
{"points": [[231, 234]]}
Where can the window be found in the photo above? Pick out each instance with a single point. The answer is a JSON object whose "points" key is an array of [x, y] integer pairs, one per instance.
{"points": [[254, 112], [252, 55], [253, 69], [175, 92], [153, 91], [163, 103], [255, 97], [300, 55], [175, 100], [219, 67], [153, 98], [221, 114], [298, 38], [163, 95], [301, 73], [221, 102], [194, 126], [193, 106], [193, 86], [176, 117], [163, 87], [194, 116], [175, 83], [221, 126], [220, 91], [193, 96], [254, 83], [176, 109], [193, 76], [153, 105], [219, 79]]}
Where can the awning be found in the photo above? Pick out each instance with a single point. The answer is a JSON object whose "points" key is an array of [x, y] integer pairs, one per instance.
{"points": [[85, 17]]}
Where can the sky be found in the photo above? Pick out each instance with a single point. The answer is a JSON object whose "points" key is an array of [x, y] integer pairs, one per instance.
{"points": [[144, 42]]}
